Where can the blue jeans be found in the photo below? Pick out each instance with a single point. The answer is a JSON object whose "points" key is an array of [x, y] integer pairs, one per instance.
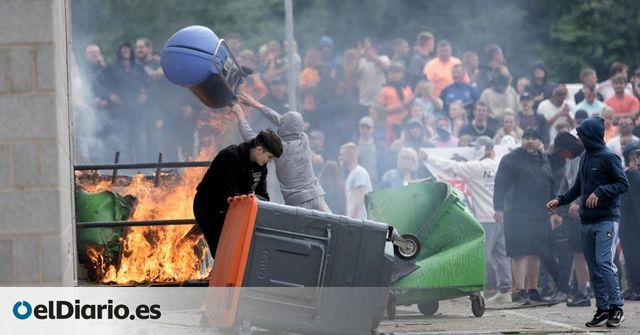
{"points": [[599, 242]]}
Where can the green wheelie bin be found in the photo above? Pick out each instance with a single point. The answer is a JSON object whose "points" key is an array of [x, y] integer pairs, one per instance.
{"points": [[445, 258], [102, 206]]}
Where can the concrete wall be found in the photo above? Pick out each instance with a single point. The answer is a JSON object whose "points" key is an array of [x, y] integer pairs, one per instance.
{"points": [[36, 195]]}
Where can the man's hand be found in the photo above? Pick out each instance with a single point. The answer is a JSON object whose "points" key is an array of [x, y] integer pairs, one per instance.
{"points": [[574, 211], [249, 101], [592, 201], [553, 205], [555, 220], [499, 217]]}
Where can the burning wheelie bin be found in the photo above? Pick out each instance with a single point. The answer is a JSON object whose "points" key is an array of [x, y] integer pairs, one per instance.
{"points": [[446, 257], [102, 206]]}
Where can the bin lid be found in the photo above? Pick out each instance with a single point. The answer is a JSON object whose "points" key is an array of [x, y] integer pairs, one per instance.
{"points": [[198, 38]]}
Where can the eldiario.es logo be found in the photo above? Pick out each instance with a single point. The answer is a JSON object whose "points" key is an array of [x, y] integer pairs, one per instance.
{"points": [[63, 310]]}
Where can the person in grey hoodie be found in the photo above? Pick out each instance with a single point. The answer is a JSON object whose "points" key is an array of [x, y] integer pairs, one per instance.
{"points": [[294, 168], [601, 180]]}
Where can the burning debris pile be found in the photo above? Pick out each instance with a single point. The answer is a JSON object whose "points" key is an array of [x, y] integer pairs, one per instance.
{"points": [[151, 254], [166, 254]]}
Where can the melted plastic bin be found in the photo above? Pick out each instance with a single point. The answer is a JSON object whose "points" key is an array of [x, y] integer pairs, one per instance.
{"points": [[299, 270], [450, 262]]}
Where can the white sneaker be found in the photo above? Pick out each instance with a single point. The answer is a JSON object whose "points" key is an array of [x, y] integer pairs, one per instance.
{"points": [[501, 298]]}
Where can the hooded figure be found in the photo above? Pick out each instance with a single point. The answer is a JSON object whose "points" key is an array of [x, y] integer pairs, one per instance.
{"points": [[294, 168], [601, 173], [601, 180], [630, 221], [540, 86]]}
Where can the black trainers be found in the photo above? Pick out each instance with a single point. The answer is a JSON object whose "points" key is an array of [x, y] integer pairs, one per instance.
{"points": [[616, 317], [579, 300], [534, 295], [520, 297], [599, 319], [558, 297]]}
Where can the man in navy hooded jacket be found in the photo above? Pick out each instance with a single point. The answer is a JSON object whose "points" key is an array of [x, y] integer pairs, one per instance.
{"points": [[601, 180]]}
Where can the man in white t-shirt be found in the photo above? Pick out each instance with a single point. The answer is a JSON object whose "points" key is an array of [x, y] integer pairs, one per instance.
{"points": [[590, 103], [358, 182], [625, 129], [558, 113], [479, 175], [370, 74]]}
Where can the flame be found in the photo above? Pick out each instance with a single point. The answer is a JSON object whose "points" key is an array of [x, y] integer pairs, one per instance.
{"points": [[167, 254]]}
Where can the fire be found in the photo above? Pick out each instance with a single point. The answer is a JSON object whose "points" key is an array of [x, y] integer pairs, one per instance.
{"points": [[167, 254], [160, 253]]}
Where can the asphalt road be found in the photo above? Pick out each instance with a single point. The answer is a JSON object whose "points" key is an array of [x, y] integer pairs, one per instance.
{"points": [[455, 317]]}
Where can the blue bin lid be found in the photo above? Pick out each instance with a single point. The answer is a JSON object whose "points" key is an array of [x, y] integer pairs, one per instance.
{"points": [[195, 37]]}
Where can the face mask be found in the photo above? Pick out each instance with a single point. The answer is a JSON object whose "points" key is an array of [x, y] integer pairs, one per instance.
{"points": [[501, 83]]}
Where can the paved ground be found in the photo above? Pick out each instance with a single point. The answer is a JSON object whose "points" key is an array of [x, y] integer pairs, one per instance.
{"points": [[455, 317]]}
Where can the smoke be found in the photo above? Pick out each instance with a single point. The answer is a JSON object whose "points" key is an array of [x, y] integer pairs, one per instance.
{"points": [[88, 123]]}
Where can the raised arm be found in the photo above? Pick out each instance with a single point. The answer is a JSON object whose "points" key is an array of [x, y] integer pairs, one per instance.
{"points": [[461, 169], [269, 113], [246, 131]]}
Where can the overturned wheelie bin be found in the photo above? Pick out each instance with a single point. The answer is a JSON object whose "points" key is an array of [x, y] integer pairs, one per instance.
{"points": [[292, 269], [446, 257]]}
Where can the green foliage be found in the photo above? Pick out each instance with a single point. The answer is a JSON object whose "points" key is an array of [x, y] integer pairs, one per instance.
{"points": [[567, 35]]}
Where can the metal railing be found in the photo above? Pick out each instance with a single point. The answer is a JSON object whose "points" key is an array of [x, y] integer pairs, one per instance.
{"points": [[116, 166]]}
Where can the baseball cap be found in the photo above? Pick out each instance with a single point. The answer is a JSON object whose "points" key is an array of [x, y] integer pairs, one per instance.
{"points": [[532, 132], [483, 141], [526, 95], [325, 41], [367, 121]]}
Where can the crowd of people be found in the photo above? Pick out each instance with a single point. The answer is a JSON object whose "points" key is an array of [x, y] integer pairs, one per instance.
{"points": [[370, 115]]}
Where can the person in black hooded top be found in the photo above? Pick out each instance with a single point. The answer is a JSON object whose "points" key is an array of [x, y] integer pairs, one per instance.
{"points": [[630, 221], [600, 182], [540, 87], [524, 178], [236, 170]]}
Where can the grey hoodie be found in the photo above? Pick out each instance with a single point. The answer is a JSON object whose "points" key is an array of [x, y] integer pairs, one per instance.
{"points": [[294, 168]]}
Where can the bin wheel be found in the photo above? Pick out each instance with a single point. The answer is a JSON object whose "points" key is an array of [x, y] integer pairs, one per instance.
{"points": [[428, 308], [477, 305], [391, 308], [410, 252]]}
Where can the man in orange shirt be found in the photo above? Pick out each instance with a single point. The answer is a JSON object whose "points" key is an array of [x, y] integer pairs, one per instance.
{"points": [[395, 96], [438, 70], [623, 105]]}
